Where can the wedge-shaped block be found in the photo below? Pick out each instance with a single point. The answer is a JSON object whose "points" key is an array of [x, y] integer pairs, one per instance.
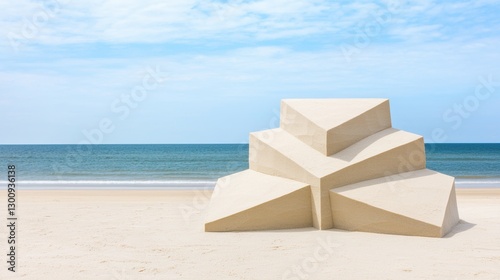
{"points": [[250, 200], [278, 153], [331, 125], [421, 203]]}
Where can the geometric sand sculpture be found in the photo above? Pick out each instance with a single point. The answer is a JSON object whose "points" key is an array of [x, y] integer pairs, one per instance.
{"points": [[335, 163], [252, 201]]}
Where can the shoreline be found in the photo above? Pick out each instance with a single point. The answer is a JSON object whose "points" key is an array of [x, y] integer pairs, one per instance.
{"points": [[459, 191], [186, 184]]}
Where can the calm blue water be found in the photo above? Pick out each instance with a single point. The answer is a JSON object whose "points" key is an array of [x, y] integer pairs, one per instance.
{"points": [[195, 166]]}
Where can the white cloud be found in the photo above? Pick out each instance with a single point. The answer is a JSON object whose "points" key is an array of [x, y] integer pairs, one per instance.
{"points": [[155, 21], [152, 21], [199, 22]]}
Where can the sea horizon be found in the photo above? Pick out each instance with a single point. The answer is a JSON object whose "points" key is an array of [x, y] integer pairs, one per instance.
{"points": [[197, 166]]}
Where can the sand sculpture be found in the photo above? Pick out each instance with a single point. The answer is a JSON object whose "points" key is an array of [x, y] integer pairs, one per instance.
{"points": [[335, 163]]}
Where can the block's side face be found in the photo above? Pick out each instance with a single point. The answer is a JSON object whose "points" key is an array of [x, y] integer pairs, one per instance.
{"points": [[303, 128], [246, 189], [316, 206], [451, 217], [357, 128], [292, 210], [268, 160], [349, 214], [326, 220], [321, 212], [404, 158], [218, 196]]}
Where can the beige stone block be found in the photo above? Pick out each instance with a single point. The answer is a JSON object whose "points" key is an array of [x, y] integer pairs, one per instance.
{"points": [[336, 162], [421, 203], [278, 153], [250, 200], [331, 125]]}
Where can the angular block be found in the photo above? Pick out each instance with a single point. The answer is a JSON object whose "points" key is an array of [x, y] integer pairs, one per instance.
{"points": [[387, 152], [278, 153], [250, 200], [336, 162], [331, 125], [451, 214], [418, 203]]}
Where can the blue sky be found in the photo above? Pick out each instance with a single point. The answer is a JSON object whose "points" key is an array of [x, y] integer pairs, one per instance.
{"points": [[182, 71]]}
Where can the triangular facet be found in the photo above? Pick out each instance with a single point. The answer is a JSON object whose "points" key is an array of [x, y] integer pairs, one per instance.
{"points": [[331, 125], [451, 217], [250, 200], [412, 203]]}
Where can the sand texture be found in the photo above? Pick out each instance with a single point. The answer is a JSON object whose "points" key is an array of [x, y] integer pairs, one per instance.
{"points": [[160, 235]]}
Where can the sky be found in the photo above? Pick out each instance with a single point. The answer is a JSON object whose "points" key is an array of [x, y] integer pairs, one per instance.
{"points": [[183, 71]]}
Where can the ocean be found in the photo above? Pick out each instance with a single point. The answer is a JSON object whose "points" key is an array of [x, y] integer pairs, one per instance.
{"points": [[195, 166]]}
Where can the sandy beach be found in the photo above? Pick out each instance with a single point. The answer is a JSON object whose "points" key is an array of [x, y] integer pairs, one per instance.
{"points": [[159, 235]]}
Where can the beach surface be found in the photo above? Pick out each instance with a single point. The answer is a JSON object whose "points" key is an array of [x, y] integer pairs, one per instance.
{"points": [[132, 234]]}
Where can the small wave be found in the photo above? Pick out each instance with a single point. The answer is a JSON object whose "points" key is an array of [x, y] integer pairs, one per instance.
{"points": [[111, 182], [184, 184], [478, 183], [114, 184]]}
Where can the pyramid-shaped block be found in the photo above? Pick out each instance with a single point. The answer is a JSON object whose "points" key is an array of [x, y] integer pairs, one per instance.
{"points": [[414, 203], [331, 125], [336, 163], [250, 200]]}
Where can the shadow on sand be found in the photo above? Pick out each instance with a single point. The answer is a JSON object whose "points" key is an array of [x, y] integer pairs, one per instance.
{"points": [[460, 227]]}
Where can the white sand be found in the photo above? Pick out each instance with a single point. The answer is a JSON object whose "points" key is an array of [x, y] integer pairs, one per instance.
{"points": [[159, 235]]}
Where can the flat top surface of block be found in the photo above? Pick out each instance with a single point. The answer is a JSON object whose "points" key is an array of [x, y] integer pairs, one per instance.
{"points": [[330, 113], [246, 189], [421, 195], [320, 165]]}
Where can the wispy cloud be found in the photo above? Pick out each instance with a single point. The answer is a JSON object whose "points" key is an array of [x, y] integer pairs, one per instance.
{"points": [[74, 58], [149, 21]]}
